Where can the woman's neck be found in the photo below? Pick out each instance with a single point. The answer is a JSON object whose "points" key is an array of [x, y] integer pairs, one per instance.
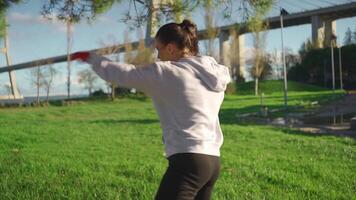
{"points": [[180, 56]]}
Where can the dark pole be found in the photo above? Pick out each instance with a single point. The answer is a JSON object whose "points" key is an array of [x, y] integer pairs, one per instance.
{"points": [[340, 68], [333, 38], [284, 12]]}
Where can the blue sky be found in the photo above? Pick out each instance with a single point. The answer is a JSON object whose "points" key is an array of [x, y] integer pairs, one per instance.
{"points": [[31, 37]]}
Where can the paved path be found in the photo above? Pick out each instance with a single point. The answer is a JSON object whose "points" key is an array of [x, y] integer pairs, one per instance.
{"points": [[344, 106]]}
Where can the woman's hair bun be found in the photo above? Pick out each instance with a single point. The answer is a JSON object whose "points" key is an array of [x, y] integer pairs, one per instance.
{"points": [[188, 25]]}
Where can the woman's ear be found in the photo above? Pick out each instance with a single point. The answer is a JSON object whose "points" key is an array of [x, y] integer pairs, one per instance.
{"points": [[170, 48]]}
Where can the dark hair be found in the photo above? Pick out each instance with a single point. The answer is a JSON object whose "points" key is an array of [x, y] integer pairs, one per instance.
{"points": [[184, 35]]}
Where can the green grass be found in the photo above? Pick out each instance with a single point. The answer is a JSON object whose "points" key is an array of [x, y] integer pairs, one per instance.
{"points": [[276, 86], [113, 150]]}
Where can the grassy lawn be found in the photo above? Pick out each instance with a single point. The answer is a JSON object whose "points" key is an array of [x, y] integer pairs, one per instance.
{"points": [[276, 86], [113, 150]]}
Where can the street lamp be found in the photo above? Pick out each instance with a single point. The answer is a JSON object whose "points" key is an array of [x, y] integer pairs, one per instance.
{"points": [[340, 67], [283, 12], [333, 39]]}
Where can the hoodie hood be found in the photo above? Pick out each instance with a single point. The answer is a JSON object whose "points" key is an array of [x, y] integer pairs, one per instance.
{"points": [[214, 76]]}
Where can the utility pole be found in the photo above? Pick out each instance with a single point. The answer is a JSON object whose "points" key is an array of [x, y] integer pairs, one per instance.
{"points": [[333, 38], [282, 13], [340, 68]]}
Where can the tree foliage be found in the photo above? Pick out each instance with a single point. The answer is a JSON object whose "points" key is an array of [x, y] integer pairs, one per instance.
{"points": [[88, 78], [173, 10], [315, 67], [74, 10], [350, 37], [257, 25], [265, 72], [36, 77], [4, 5], [138, 12], [48, 75]]}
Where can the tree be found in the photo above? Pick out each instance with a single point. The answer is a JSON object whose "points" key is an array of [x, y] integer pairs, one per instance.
{"points": [[256, 24], [306, 47], [113, 51], [315, 67], [210, 26], [258, 52], [48, 75], [144, 55], [264, 72], [165, 10], [7, 88], [70, 12], [291, 58], [88, 78], [178, 16], [37, 74], [174, 9], [4, 5], [348, 39], [128, 56]]}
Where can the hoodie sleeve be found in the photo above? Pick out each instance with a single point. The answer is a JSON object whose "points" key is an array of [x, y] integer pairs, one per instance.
{"points": [[143, 78]]}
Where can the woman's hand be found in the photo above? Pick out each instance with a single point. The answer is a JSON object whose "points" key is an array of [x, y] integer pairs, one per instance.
{"points": [[80, 55]]}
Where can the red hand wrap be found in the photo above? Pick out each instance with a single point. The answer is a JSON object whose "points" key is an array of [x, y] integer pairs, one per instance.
{"points": [[81, 55]]}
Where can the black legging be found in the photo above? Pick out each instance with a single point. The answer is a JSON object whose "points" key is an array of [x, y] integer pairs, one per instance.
{"points": [[189, 176]]}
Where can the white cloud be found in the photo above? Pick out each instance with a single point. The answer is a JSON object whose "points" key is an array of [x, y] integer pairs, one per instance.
{"points": [[104, 19], [31, 19], [27, 18]]}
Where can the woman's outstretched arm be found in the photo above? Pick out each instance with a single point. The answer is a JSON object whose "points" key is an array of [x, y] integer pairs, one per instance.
{"points": [[144, 78]]}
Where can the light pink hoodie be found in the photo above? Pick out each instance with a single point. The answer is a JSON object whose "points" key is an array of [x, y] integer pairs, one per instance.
{"points": [[186, 94]]}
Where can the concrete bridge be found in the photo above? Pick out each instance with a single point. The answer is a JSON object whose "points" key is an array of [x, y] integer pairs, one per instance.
{"points": [[322, 22]]}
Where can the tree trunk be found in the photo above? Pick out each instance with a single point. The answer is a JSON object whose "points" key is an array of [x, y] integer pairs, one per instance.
{"points": [[256, 86], [113, 92], [38, 85], [47, 99]]}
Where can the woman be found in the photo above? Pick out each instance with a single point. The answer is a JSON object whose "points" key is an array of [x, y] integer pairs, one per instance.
{"points": [[187, 91]]}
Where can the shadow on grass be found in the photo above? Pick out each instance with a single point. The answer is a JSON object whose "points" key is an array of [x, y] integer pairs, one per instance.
{"points": [[231, 115], [310, 134], [138, 97], [118, 121], [293, 97], [241, 98], [72, 101], [319, 97]]}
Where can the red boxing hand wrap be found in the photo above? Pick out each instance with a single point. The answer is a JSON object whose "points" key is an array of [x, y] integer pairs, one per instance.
{"points": [[81, 55]]}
